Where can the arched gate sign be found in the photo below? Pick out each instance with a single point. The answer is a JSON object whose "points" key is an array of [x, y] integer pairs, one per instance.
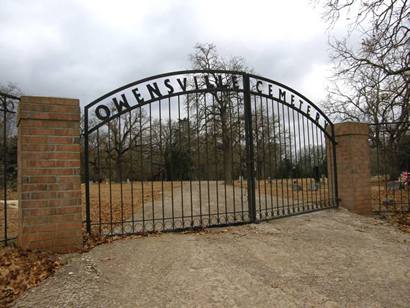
{"points": [[193, 149]]}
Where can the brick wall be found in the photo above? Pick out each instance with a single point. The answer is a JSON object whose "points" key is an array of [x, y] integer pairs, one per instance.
{"points": [[49, 185], [353, 166]]}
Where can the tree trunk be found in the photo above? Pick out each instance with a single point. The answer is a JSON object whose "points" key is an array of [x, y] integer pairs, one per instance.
{"points": [[393, 163], [118, 170]]}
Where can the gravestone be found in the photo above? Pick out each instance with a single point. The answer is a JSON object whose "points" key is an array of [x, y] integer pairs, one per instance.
{"points": [[296, 186], [314, 186], [394, 185]]}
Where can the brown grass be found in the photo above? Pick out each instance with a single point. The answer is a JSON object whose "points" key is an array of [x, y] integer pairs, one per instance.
{"points": [[120, 206]]}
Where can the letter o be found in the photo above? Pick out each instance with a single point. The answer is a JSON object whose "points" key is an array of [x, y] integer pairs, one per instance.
{"points": [[102, 115]]}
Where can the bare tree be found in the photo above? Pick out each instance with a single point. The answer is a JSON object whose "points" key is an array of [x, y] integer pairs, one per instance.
{"points": [[122, 135], [218, 109], [372, 81]]}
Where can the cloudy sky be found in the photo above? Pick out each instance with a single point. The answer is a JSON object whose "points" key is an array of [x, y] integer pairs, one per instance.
{"points": [[83, 48]]}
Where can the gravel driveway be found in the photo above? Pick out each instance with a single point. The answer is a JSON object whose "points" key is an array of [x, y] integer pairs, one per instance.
{"points": [[329, 259]]}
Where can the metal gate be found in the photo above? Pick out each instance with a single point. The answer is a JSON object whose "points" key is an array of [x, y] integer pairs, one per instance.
{"points": [[193, 149], [8, 165]]}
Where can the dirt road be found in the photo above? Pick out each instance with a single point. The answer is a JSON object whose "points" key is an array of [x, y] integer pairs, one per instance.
{"points": [[325, 259]]}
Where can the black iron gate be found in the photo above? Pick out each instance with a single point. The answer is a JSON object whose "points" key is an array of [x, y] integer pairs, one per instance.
{"points": [[193, 149], [8, 161]]}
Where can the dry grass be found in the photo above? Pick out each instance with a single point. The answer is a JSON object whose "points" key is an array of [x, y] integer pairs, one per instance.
{"points": [[120, 201]]}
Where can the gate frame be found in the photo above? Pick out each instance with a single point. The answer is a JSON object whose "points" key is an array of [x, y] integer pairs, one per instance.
{"points": [[248, 128]]}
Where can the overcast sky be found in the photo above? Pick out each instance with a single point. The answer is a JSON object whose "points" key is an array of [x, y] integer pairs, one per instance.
{"points": [[83, 49]]}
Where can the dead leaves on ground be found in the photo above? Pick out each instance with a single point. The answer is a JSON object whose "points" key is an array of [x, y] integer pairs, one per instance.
{"points": [[399, 219], [21, 270]]}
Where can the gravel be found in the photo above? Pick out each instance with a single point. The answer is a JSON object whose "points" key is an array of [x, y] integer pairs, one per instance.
{"points": [[331, 258]]}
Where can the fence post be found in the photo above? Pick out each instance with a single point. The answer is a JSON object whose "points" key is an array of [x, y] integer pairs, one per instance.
{"points": [[353, 166], [249, 148], [49, 185]]}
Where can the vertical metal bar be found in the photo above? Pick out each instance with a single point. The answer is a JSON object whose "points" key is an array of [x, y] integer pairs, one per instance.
{"points": [[172, 175], [132, 170], [264, 157], [330, 145], [180, 151], [240, 155], [215, 160], [334, 166], [385, 164], [224, 131], [270, 154], [231, 124], [275, 153], [120, 166], [249, 148], [258, 180], [315, 162], [5, 167], [301, 160], [162, 167], [207, 159], [319, 149], [281, 160], [189, 147], [378, 166], [198, 123], [99, 181], [291, 160], [86, 174], [142, 172], [151, 169], [110, 175], [322, 195], [295, 160], [285, 159], [309, 158]]}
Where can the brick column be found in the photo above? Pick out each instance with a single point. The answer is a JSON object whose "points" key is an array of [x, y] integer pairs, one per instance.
{"points": [[353, 166], [49, 187]]}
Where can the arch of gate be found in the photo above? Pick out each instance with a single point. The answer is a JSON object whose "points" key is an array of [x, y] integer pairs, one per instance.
{"points": [[193, 149]]}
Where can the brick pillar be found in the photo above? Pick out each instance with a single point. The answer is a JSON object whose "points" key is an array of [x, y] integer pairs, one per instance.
{"points": [[353, 166], [49, 187]]}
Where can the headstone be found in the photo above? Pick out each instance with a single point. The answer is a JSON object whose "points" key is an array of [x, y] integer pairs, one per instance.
{"points": [[296, 186], [394, 185], [314, 186]]}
